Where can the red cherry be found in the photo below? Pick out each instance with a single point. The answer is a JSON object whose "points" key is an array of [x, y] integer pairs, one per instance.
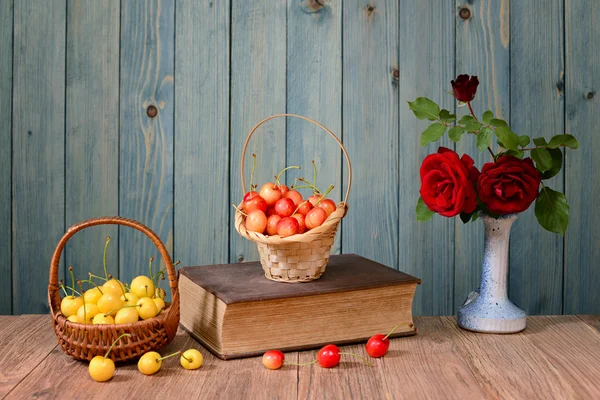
{"points": [[255, 203], [270, 192], [314, 198], [378, 346], [315, 218], [327, 205], [273, 359], [329, 356], [301, 224], [256, 221], [270, 211], [287, 226], [304, 207], [284, 207], [284, 189], [250, 195], [272, 224], [295, 196]]}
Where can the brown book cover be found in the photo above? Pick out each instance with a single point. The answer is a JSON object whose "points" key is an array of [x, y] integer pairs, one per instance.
{"points": [[234, 311]]}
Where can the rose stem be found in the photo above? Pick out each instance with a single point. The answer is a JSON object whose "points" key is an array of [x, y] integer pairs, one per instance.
{"points": [[473, 114]]}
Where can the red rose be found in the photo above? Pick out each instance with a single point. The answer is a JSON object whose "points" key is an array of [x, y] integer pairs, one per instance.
{"points": [[509, 185], [465, 87], [448, 183]]}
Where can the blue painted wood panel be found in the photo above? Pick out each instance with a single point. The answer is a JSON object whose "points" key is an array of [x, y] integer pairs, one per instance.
{"points": [[6, 67], [202, 132], [92, 132], [38, 143], [146, 130]]}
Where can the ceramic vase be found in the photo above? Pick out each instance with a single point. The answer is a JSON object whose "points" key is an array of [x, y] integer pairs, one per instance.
{"points": [[488, 309]]}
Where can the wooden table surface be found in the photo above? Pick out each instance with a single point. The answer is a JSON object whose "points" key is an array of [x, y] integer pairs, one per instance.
{"points": [[555, 357]]}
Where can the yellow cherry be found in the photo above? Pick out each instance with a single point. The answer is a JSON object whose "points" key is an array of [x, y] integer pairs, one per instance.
{"points": [[160, 292], [109, 302], [127, 315], [191, 359], [147, 308], [93, 295], [129, 299], [160, 304], [70, 304], [102, 319], [73, 318], [113, 286], [102, 369], [86, 313], [149, 363], [142, 286]]}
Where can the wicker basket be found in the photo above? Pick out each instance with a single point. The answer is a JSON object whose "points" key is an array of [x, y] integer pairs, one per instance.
{"points": [[302, 257], [84, 341]]}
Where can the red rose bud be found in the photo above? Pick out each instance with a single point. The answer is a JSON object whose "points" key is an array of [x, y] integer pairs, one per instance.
{"points": [[448, 183], [509, 185], [465, 87]]}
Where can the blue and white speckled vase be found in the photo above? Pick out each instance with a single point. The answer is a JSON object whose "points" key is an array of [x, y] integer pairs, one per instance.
{"points": [[489, 310]]}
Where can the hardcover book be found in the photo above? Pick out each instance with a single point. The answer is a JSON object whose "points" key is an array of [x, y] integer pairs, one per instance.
{"points": [[235, 312]]}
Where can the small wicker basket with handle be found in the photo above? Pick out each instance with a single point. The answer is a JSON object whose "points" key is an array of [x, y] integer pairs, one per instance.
{"points": [[301, 257], [84, 341]]}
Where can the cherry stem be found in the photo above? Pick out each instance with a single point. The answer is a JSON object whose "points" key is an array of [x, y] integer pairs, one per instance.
{"points": [[115, 342], [63, 289], [72, 280], [282, 171], [356, 355], [72, 290], [187, 359], [310, 185], [300, 365], [105, 249], [238, 210], [253, 168], [98, 277], [117, 309], [150, 268], [169, 356], [324, 195], [88, 281], [300, 205], [314, 173]]}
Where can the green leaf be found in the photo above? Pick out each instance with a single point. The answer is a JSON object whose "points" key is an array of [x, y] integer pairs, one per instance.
{"points": [[540, 141], [487, 117], [432, 133], [483, 138], [475, 216], [516, 153], [465, 119], [446, 117], [495, 122], [552, 210], [524, 140], [423, 108], [557, 162], [509, 139], [423, 212], [455, 133], [472, 126], [542, 158], [464, 217], [563, 140]]}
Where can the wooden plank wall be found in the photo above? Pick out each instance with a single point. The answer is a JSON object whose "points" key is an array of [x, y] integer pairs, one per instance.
{"points": [[142, 108]]}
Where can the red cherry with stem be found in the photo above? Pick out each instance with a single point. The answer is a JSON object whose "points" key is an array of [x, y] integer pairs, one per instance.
{"points": [[287, 226], [301, 223], [250, 195], [330, 355], [378, 345], [272, 224], [255, 203], [270, 192], [295, 196], [273, 359], [284, 207], [284, 189], [256, 221], [304, 208], [327, 205], [315, 218], [314, 199]]}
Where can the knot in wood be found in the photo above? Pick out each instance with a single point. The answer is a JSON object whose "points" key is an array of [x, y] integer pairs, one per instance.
{"points": [[151, 111], [464, 13]]}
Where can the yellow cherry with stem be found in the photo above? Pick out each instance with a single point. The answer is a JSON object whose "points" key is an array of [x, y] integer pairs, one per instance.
{"points": [[109, 301], [191, 359], [102, 369], [103, 319], [70, 304], [150, 363], [86, 313], [160, 303], [142, 286], [129, 299], [113, 286], [147, 308], [127, 315]]}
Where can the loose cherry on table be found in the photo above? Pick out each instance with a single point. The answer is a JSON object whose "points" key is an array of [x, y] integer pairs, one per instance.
{"points": [[102, 369], [378, 345], [328, 357]]}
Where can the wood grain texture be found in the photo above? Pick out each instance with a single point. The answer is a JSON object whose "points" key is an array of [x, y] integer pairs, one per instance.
{"points": [[38, 133], [582, 85], [258, 90], [482, 49], [314, 89], [92, 131], [370, 121], [202, 124], [146, 143], [26, 341], [6, 87], [426, 250], [537, 101]]}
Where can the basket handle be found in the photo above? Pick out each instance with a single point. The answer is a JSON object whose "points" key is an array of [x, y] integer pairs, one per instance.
{"points": [[306, 119], [53, 288]]}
